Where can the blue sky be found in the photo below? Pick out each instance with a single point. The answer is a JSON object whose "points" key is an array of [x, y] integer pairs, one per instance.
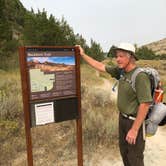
{"points": [[110, 21], [68, 60]]}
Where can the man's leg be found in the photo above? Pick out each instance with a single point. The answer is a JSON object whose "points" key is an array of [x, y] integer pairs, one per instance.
{"points": [[132, 155], [136, 152], [123, 145]]}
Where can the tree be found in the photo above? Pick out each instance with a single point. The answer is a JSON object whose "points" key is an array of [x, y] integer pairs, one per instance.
{"points": [[95, 51], [7, 44], [40, 30], [162, 56], [67, 33], [145, 53], [111, 52]]}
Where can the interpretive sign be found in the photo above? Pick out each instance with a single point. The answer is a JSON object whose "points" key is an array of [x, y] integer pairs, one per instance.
{"points": [[50, 78], [51, 72]]}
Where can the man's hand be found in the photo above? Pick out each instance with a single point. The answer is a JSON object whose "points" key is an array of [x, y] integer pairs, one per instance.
{"points": [[94, 63], [131, 136], [141, 115], [81, 50]]}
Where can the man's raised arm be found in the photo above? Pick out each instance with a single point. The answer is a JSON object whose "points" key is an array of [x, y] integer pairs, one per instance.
{"points": [[92, 62]]}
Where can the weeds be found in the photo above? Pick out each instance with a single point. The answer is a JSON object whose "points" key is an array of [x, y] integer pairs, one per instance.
{"points": [[99, 117], [11, 121], [56, 143], [10, 96]]}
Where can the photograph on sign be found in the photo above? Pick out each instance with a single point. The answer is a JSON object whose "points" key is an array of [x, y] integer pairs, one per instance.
{"points": [[44, 113], [51, 76]]}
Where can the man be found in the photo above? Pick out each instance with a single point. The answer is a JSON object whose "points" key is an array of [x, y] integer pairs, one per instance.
{"points": [[133, 106]]}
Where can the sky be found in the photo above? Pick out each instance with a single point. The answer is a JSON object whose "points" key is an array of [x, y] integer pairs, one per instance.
{"points": [[109, 22]]}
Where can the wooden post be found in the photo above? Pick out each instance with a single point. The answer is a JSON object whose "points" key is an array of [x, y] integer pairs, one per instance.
{"points": [[25, 95], [79, 120], [79, 143]]}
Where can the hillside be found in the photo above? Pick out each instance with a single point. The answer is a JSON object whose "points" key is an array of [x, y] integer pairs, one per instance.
{"points": [[19, 27], [55, 144], [159, 47], [12, 17]]}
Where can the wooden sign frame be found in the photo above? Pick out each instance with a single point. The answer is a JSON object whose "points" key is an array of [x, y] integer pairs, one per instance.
{"points": [[27, 99]]}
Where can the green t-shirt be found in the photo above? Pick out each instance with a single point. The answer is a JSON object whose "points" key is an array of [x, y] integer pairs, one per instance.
{"points": [[128, 100]]}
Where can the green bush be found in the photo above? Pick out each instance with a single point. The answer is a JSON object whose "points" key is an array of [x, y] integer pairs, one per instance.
{"points": [[145, 53], [10, 96]]}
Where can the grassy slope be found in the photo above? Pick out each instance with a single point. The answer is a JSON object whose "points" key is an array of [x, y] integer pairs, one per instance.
{"points": [[55, 143]]}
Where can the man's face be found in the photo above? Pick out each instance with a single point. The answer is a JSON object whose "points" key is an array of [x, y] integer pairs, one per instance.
{"points": [[122, 58]]}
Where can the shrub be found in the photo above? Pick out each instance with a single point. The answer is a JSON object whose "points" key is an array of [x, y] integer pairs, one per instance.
{"points": [[10, 96]]}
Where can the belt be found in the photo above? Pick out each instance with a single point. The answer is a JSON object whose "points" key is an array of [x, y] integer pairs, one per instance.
{"points": [[128, 116], [133, 118]]}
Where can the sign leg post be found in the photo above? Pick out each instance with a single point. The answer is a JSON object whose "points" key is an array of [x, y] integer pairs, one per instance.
{"points": [[79, 142], [25, 95], [29, 146]]}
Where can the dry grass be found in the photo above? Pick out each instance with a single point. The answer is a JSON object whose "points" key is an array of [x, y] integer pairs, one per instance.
{"points": [[10, 95], [89, 76], [55, 144], [11, 121]]}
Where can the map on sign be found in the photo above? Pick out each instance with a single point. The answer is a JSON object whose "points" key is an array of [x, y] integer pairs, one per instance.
{"points": [[41, 81], [51, 76]]}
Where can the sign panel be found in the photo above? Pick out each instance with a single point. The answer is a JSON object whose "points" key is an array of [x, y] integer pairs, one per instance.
{"points": [[51, 73], [51, 76]]}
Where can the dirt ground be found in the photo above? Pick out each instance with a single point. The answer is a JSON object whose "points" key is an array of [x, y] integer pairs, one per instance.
{"points": [[155, 150], [155, 153]]}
